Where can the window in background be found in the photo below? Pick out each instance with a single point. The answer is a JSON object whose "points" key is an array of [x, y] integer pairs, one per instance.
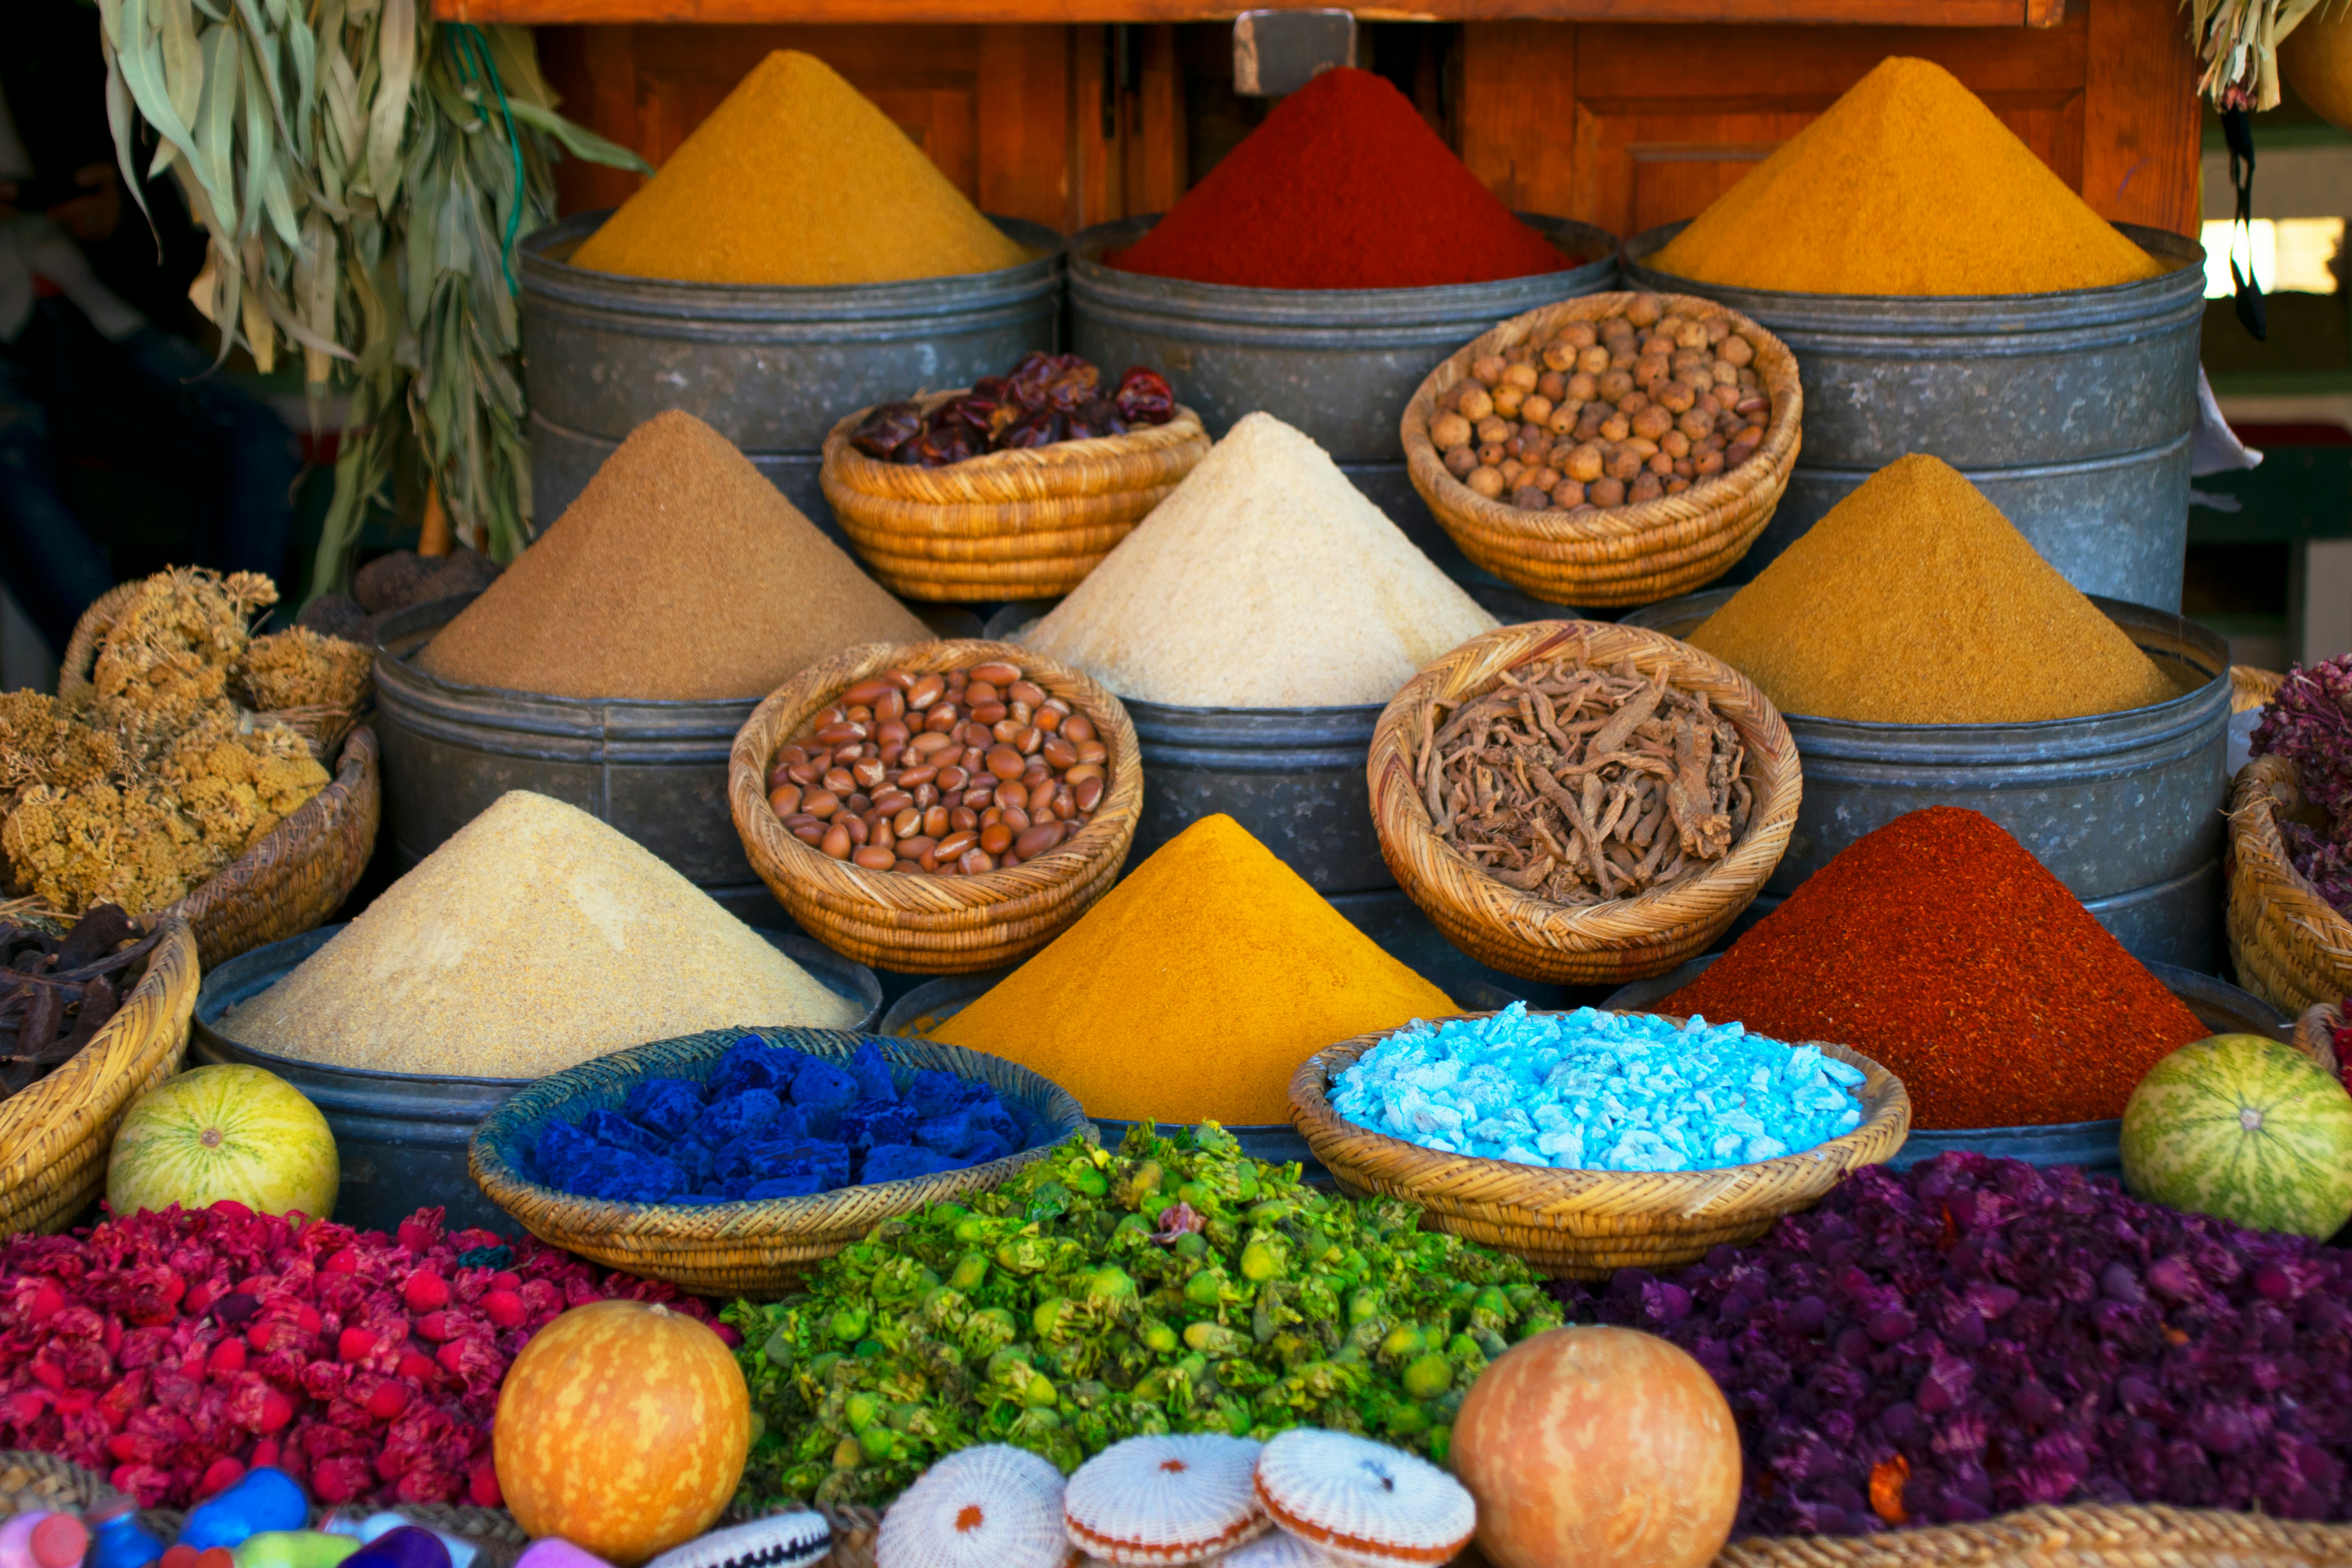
{"points": [[2292, 256]]}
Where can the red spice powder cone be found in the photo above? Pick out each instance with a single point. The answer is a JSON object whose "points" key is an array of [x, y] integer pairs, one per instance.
{"points": [[1940, 948], [1343, 186]]}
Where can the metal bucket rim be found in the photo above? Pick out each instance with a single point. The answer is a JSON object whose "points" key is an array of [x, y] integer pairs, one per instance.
{"points": [[1926, 313], [434, 614], [1887, 731], [1444, 303], [628, 294], [276, 960]]}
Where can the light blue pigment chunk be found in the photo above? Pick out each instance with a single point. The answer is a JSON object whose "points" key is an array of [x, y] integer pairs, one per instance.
{"points": [[1599, 1092]]}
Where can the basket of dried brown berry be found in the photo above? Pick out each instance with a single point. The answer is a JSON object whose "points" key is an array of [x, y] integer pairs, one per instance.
{"points": [[1612, 450]]}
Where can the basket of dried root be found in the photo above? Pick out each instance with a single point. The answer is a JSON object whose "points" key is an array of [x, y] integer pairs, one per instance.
{"points": [[1580, 803]]}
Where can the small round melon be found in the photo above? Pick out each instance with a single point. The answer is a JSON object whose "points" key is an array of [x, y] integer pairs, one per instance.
{"points": [[232, 1132], [2244, 1128]]}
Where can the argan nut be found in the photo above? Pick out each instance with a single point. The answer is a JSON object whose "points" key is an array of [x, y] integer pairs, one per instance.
{"points": [[1487, 480], [1475, 404], [1605, 492], [1652, 422], [1643, 310], [1587, 463], [1528, 497], [1450, 430], [1593, 361], [1568, 493], [1616, 427], [1521, 375], [1509, 399], [1537, 409], [1649, 487], [1489, 368], [1736, 349], [1460, 460]]}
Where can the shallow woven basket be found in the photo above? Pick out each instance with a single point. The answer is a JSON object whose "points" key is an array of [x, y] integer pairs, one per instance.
{"points": [[1587, 1225], [751, 1248], [1600, 945], [1026, 524], [922, 925], [1634, 554], [55, 1137], [2315, 1035], [2251, 688], [2291, 946]]}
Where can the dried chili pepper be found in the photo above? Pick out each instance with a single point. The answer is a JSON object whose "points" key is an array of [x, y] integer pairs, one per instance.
{"points": [[882, 433], [1144, 397], [1040, 427]]}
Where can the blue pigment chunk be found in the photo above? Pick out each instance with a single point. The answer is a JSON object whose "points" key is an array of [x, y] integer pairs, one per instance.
{"points": [[664, 1107], [693, 1157], [616, 1131], [934, 1094], [560, 1149], [821, 1086], [872, 1073], [752, 1063], [900, 1162], [872, 1121], [739, 1115], [947, 1134], [799, 1184]]}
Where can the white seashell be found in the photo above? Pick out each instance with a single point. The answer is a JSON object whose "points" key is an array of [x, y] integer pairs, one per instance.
{"points": [[991, 1507], [780, 1540], [1363, 1501], [1157, 1501], [1277, 1548]]}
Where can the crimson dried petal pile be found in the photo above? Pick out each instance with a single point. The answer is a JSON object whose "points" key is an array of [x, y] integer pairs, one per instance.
{"points": [[171, 1352], [1977, 1335]]}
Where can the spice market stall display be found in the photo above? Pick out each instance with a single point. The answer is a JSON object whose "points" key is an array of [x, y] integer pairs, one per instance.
{"points": [[1225, 1323], [1014, 488], [2290, 867], [1946, 293], [797, 256], [611, 665], [1941, 947], [1922, 653], [534, 940], [96, 1015], [1613, 449], [940, 808], [180, 766], [1318, 271], [731, 1163], [1597, 1161], [1581, 803]]}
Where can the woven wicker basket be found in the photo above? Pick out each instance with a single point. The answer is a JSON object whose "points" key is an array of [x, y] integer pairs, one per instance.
{"points": [[2291, 946], [1587, 1225], [1635, 554], [1025, 524], [933, 925], [2251, 688], [55, 1137], [750, 1248], [2315, 1035], [1601, 945]]}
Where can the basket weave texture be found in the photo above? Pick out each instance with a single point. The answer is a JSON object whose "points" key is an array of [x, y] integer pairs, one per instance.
{"points": [[2291, 946], [55, 1136], [2251, 688], [1587, 1225], [1635, 554], [1022, 524], [760, 1248], [2315, 1035], [923, 924], [1599, 944]]}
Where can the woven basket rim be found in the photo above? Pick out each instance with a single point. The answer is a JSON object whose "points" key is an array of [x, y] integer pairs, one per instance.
{"points": [[870, 475], [1695, 510], [842, 888], [1551, 1190], [79, 661], [2313, 1033], [1777, 776], [505, 1184], [2268, 894], [2251, 688], [357, 759]]}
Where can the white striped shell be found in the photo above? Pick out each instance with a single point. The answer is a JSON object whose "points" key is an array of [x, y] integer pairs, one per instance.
{"points": [[1277, 1548], [1363, 1501], [991, 1507], [1156, 1500], [780, 1540]]}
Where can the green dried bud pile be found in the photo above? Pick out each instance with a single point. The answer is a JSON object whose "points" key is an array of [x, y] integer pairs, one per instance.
{"points": [[1176, 1286]]}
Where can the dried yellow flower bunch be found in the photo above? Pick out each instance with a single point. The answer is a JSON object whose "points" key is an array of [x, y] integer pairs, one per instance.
{"points": [[148, 786]]}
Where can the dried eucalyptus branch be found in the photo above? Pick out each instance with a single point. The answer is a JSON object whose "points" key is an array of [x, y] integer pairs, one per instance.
{"points": [[363, 172]]}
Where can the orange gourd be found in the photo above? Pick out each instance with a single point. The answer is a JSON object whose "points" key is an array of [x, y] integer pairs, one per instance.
{"points": [[622, 1429], [1598, 1448]]}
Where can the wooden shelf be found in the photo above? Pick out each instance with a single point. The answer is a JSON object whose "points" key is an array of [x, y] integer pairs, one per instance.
{"points": [[1880, 13]]}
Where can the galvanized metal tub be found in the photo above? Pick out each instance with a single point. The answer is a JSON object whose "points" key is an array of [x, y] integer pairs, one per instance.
{"points": [[656, 771], [929, 1005], [770, 368], [2095, 1145], [2124, 808], [2071, 411], [402, 1137], [1293, 776], [1337, 364]]}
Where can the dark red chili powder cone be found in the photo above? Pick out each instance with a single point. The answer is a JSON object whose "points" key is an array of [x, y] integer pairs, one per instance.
{"points": [[1343, 186], [1941, 949]]}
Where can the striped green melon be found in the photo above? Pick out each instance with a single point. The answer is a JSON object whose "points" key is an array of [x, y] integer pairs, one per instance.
{"points": [[2245, 1128], [232, 1132]]}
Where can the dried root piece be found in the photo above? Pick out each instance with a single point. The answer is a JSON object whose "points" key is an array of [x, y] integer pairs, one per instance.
{"points": [[1580, 785]]}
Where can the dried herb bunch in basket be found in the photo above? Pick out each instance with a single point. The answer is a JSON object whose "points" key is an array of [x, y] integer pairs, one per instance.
{"points": [[1580, 785], [59, 985]]}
